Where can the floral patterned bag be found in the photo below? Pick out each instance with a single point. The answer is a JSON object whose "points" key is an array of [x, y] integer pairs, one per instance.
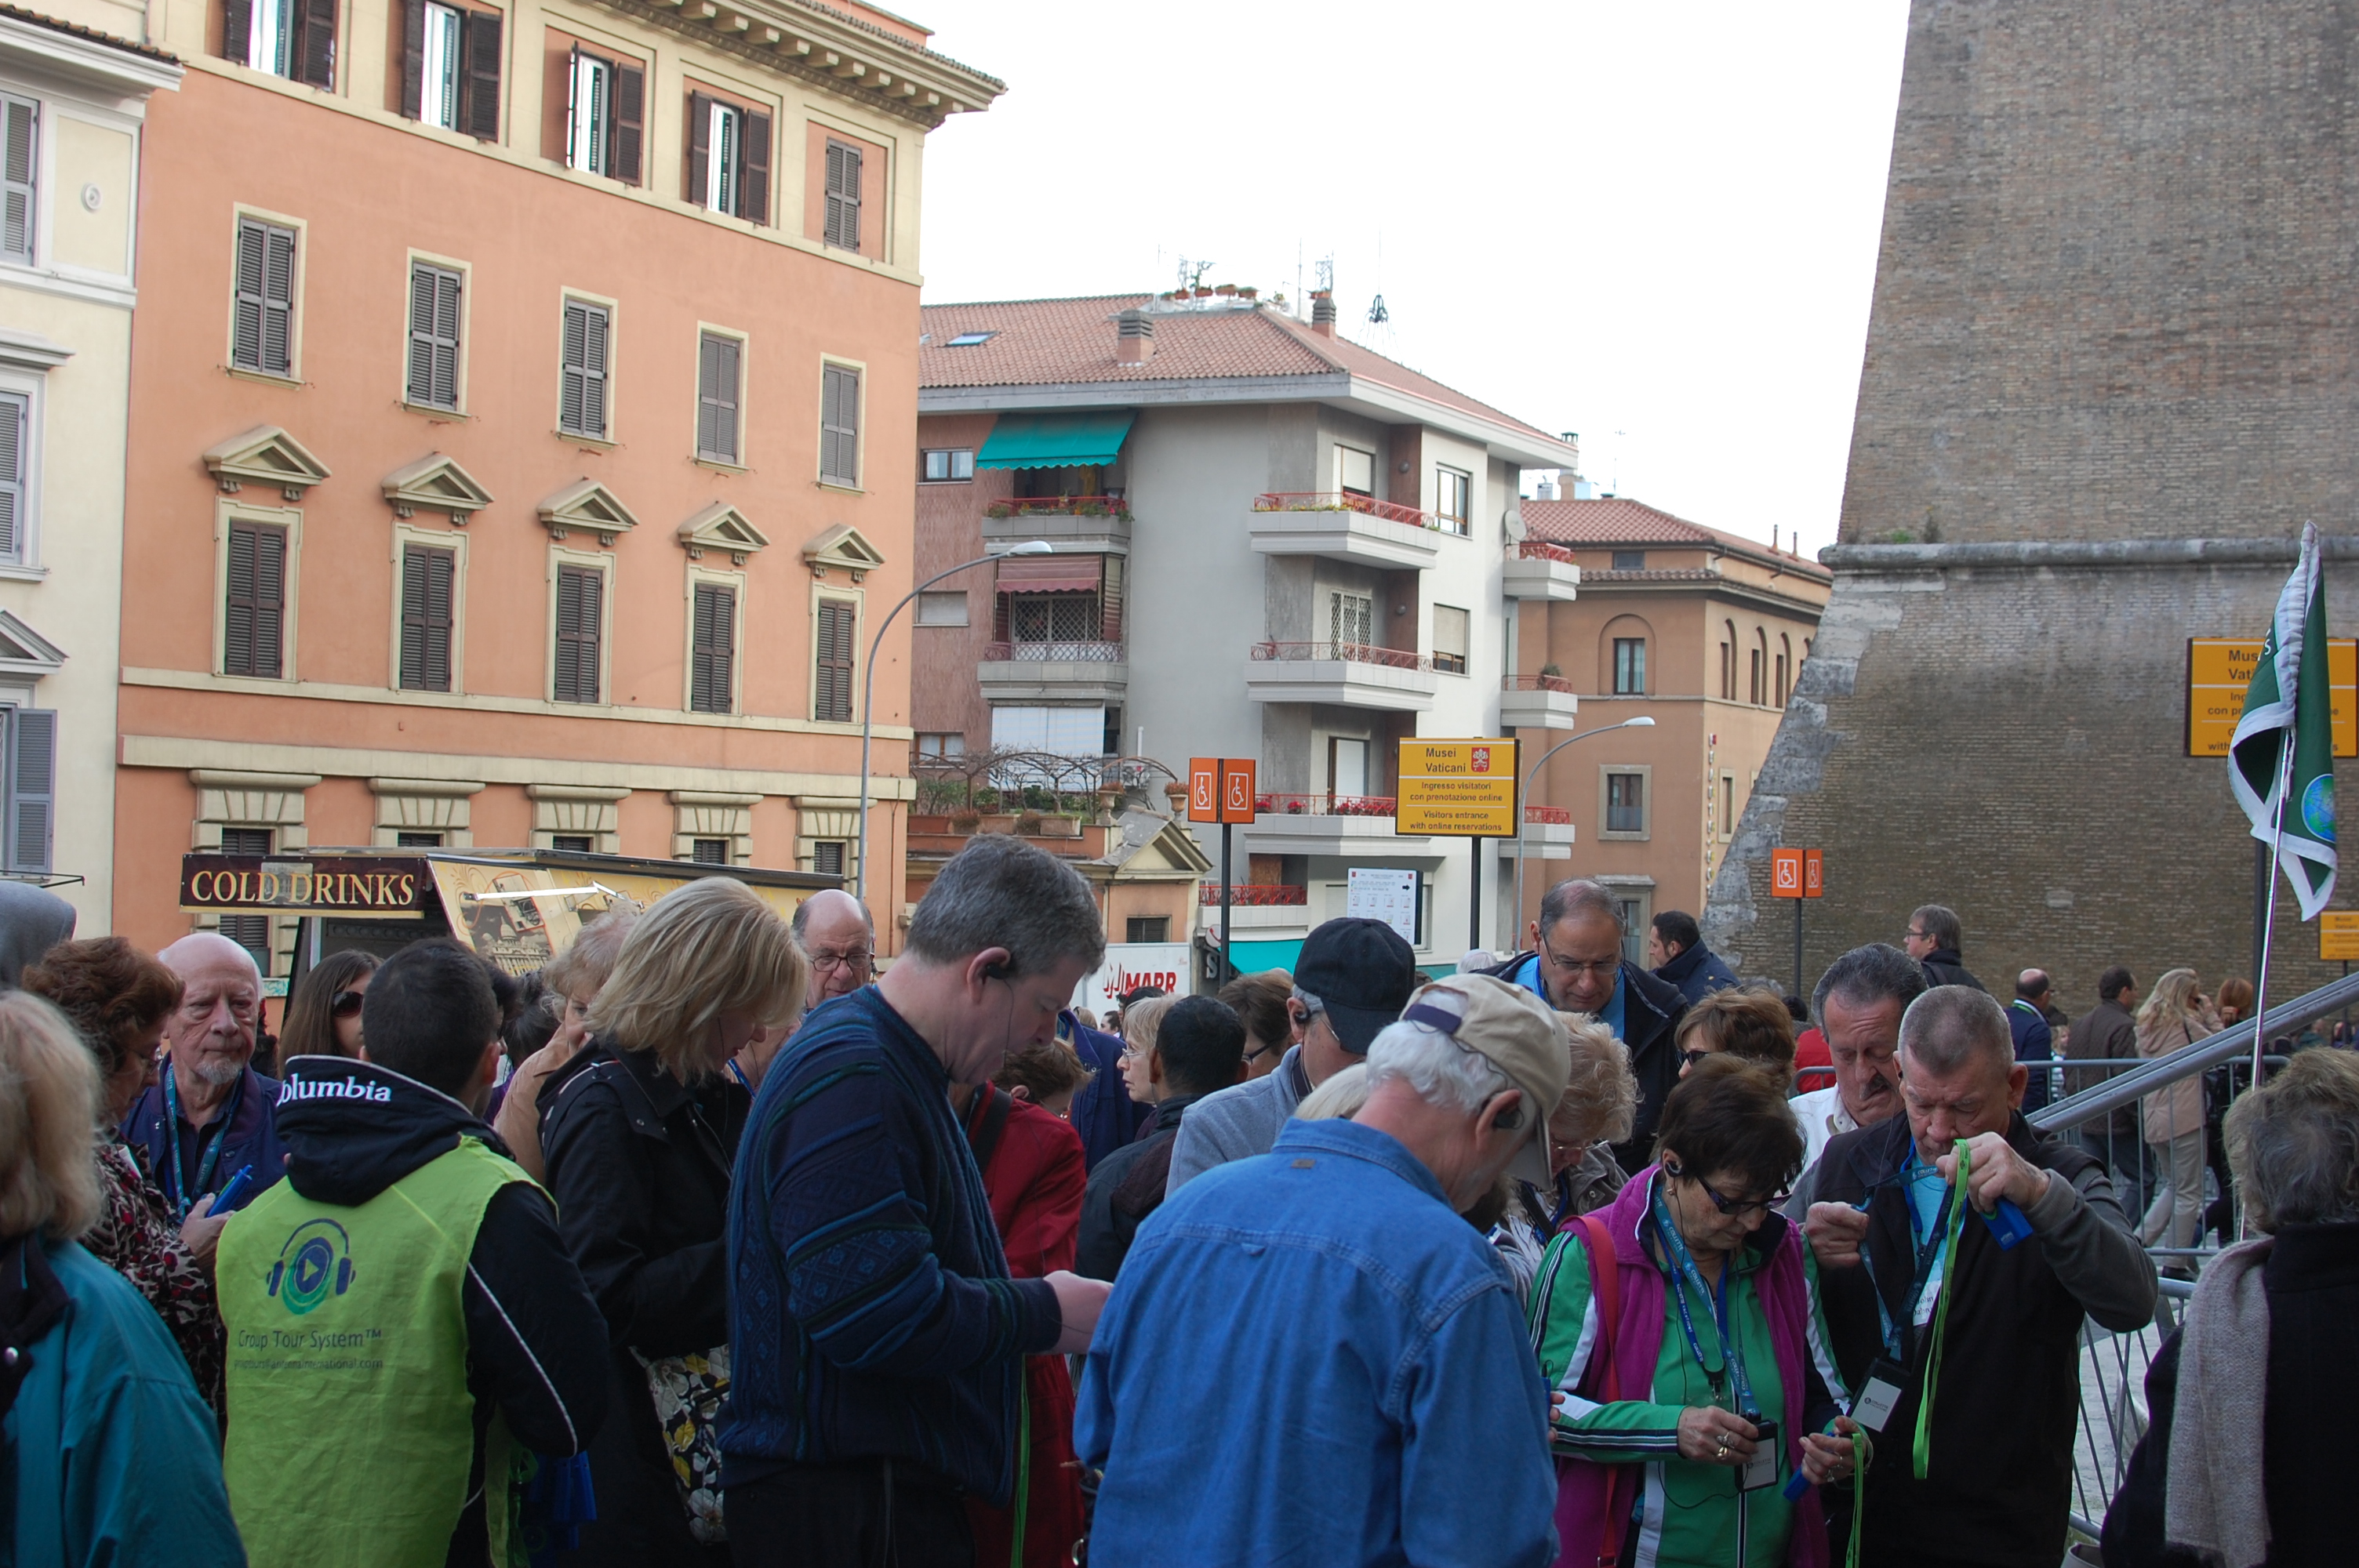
{"points": [[689, 1391]]}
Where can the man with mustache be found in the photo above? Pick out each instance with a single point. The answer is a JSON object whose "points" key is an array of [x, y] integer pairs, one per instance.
{"points": [[1857, 1006]]}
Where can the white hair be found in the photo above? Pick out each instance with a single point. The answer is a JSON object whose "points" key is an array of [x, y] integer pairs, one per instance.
{"points": [[1440, 1070]]}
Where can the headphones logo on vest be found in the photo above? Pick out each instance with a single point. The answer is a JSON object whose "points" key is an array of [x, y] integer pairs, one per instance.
{"points": [[316, 1262]]}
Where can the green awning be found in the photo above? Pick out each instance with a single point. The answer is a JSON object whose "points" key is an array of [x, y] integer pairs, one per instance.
{"points": [[1055, 440]]}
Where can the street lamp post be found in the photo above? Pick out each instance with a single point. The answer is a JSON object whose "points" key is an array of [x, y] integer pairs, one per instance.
{"points": [[868, 678], [1643, 721]]}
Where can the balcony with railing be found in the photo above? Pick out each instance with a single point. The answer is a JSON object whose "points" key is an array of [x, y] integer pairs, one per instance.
{"points": [[1538, 702], [1538, 569], [1355, 675], [1344, 525], [1073, 523], [1323, 805], [1256, 895], [1546, 834], [1078, 671], [1257, 912]]}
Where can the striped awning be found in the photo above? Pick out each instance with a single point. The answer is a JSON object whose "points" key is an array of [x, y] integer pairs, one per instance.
{"points": [[1049, 574]]}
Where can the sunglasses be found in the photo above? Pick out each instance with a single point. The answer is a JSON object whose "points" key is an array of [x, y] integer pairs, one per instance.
{"points": [[345, 1004]]}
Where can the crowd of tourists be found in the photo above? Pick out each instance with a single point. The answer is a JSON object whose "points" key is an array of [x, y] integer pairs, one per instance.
{"points": [[710, 1243]]}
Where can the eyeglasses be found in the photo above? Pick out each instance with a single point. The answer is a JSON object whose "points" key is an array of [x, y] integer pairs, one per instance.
{"points": [[1256, 1055], [1563, 966], [857, 960], [1735, 1209], [1131, 1050], [1915, 934], [345, 1004]]}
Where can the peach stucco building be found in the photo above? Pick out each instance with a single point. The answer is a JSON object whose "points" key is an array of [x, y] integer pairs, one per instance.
{"points": [[523, 421]]}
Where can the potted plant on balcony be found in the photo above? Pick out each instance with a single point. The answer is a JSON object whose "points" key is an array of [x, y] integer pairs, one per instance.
{"points": [[965, 819], [1552, 669], [1027, 822]]}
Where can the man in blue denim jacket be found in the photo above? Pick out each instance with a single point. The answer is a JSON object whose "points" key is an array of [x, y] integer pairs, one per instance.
{"points": [[1377, 1401]]}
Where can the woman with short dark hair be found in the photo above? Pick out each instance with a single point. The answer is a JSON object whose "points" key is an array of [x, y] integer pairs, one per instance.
{"points": [[1709, 1362]]}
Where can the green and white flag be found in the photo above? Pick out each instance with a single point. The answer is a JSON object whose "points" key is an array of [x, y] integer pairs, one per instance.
{"points": [[2290, 705]]}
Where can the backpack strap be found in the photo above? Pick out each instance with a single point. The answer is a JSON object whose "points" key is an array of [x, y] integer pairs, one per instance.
{"points": [[1605, 1276], [983, 1129]]}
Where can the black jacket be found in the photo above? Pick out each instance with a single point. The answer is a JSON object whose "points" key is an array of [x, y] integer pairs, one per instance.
{"points": [[1946, 966], [535, 1341], [2311, 1278], [1125, 1188], [640, 1165], [2107, 1035], [1999, 1487], [1698, 972], [1651, 1011]]}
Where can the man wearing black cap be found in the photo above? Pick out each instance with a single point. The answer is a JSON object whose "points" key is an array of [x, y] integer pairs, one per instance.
{"points": [[1353, 979]]}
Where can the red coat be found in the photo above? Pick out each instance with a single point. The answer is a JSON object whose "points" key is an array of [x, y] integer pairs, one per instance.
{"points": [[1033, 1172]]}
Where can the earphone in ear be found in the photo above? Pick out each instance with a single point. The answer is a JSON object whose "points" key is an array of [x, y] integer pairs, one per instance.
{"points": [[1002, 970], [1510, 1118]]}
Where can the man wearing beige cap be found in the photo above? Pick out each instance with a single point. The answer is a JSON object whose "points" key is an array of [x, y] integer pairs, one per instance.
{"points": [[1369, 1339]]}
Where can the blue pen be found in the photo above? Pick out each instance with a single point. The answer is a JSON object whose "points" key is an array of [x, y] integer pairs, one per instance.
{"points": [[232, 1191]]}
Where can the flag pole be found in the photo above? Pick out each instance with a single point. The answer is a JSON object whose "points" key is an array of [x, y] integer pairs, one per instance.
{"points": [[2269, 921]]}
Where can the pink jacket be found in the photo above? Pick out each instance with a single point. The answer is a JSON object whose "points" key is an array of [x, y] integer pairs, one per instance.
{"points": [[1585, 1490]]}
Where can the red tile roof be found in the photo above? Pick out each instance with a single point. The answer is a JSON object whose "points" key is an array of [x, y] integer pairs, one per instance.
{"points": [[1046, 342], [1621, 520], [58, 25]]}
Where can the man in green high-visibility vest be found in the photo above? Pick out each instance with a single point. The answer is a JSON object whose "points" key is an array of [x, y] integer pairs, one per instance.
{"points": [[406, 1328]]}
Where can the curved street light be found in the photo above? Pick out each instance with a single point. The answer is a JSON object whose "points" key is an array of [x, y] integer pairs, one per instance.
{"points": [[868, 678], [1644, 721]]}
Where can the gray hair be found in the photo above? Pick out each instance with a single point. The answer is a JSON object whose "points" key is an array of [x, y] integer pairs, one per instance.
{"points": [[1000, 891], [1949, 1026], [1602, 1084], [1578, 896], [1865, 976], [1940, 923], [2293, 1143], [1441, 1071]]}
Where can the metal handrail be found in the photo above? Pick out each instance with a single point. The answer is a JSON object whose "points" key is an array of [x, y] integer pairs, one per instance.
{"points": [[2229, 1045]]}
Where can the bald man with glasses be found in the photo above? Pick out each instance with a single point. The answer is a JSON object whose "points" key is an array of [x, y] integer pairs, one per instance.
{"points": [[1579, 964]]}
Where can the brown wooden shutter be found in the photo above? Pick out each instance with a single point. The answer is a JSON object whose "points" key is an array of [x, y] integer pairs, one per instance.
{"points": [[630, 112], [237, 30], [713, 639], [479, 113], [832, 684], [754, 169], [700, 131], [580, 595], [426, 584], [252, 619], [413, 57], [315, 50]]}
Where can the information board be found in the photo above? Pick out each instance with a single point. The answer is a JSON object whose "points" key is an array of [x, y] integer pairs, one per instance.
{"points": [[2337, 935], [2220, 672], [1383, 893], [1458, 789]]}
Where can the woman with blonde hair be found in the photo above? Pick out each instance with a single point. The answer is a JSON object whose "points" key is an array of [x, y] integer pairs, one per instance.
{"points": [[2175, 1014], [640, 1131], [111, 1455]]}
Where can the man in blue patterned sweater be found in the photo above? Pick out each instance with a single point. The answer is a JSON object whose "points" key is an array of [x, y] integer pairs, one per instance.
{"points": [[877, 1341]]}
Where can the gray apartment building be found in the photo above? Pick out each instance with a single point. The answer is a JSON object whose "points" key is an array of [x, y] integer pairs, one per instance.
{"points": [[1270, 543]]}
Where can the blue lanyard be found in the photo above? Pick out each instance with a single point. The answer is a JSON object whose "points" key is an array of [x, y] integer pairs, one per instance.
{"points": [[1558, 1213], [1928, 1248], [211, 1141], [1685, 1272]]}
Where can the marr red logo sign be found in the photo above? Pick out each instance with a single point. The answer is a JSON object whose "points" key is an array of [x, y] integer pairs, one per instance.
{"points": [[1479, 761]]}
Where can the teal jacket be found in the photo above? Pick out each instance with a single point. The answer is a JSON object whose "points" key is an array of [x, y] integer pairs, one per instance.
{"points": [[114, 1459]]}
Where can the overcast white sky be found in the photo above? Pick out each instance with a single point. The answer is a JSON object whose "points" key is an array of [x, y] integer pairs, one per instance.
{"points": [[1651, 224]]}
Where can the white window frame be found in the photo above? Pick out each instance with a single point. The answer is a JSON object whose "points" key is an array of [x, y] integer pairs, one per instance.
{"points": [[270, 36], [589, 120], [1465, 652], [603, 563], [945, 607], [737, 583], [443, 72], [1343, 454], [723, 141], [1445, 480], [1645, 772], [226, 511], [455, 542]]}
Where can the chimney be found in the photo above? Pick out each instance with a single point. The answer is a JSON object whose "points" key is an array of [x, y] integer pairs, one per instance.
{"points": [[1544, 490], [1134, 338], [1322, 314]]}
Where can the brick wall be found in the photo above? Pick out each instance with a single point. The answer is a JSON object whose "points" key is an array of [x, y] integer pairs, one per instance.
{"points": [[2110, 372]]}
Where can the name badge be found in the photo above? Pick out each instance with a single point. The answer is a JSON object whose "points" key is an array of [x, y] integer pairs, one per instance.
{"points": [[1761, 1470], [1887, 1381]]}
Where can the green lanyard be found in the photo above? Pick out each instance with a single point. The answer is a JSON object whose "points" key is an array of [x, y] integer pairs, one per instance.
{"points": [[1923, 1453]]}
